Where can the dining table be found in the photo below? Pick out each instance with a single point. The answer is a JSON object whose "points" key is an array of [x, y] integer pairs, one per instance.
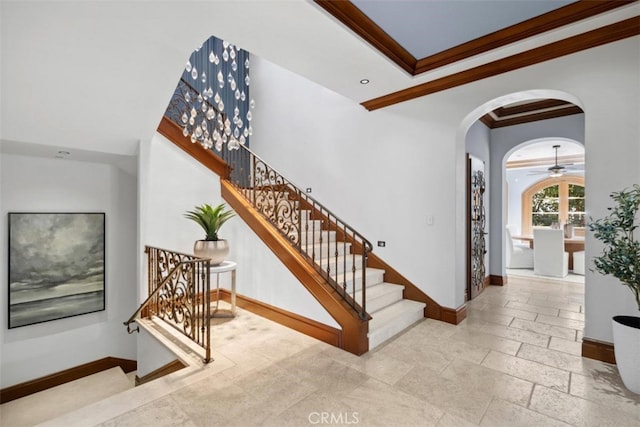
{"points": [[571, 245]]}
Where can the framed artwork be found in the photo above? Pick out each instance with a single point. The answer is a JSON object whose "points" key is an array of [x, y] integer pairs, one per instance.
{"points": [[56, 266]]}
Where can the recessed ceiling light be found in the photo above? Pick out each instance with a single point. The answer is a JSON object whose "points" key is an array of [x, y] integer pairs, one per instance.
{"points": [[364, 81]]}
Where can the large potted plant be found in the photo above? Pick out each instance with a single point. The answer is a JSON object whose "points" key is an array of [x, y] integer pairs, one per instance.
{"points": [[620, 258], [211, 219]]}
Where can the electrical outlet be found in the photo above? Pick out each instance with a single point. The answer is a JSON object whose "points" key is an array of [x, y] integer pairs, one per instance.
{"points": [[308, 189], [382, 243], [429, 219]]}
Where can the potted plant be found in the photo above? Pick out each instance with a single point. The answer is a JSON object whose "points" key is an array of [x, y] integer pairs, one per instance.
{"points": [[621, 259], [211, 219]]}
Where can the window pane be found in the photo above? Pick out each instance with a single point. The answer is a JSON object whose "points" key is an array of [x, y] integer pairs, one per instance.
{"points": [[576, 219], [576, 205], [546, 200], [544, 220], [576, 190]]}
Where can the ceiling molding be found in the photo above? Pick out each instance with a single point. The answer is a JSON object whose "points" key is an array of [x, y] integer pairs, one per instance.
{"points": [[607, 34], [347, 13], [354, 19], [529, 112]]}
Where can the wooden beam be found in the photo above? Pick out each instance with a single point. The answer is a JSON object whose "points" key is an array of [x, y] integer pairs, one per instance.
{"points": [[608, 34]]}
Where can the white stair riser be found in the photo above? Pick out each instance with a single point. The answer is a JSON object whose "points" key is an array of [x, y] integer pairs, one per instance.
{"points": [[382, 333], [331, 248], [372, 278], [325, 236], [375, 304], [310, 226], [341, 264]]}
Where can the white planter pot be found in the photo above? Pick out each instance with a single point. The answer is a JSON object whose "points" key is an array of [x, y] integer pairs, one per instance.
{"points": [[216, 251], [626, 342]]}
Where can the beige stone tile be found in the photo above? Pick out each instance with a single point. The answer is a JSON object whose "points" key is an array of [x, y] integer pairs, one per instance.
{"points": [[577, 411], [448, 348], [514, 334], [464, 389], [579, 335], [561, 321], [558, 359], [550, 311], [571, 315], [162, 413], [489, 381], [503, 298], [427, 358], [383, 367], [565, 346], [312, 410], [560, 304], [528, 370], [452, 396], [509, 312], [490, 317], [435, 328], [542, 328], [379, 404], [322, 372], [604, 386], [506, 414], [450, 420], [488, 341]]}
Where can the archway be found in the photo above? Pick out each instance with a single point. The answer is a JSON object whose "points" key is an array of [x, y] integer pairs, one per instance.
{"points": [[496, 179]]}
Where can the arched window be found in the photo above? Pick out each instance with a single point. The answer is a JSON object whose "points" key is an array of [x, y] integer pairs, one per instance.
{"points": [[553, 200]]}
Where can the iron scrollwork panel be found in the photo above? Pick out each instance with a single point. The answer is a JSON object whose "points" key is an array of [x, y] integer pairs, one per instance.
{"points": [[478, 223]]}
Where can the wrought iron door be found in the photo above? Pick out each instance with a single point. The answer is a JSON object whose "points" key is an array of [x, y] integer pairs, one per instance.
{"points": [[478, 242]]}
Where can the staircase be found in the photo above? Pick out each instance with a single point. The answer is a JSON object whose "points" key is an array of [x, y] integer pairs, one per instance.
{"points": [[390, 312], [323, 252]]}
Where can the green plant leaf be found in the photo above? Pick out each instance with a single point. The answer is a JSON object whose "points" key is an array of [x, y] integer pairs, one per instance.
{"points": [[210, 218]]}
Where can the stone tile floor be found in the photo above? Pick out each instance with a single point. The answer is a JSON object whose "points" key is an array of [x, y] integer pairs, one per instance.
{"points": [[515, 361]]}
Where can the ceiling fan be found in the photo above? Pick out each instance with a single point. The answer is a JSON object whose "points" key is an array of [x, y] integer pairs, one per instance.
{"points": [[557, 169]]}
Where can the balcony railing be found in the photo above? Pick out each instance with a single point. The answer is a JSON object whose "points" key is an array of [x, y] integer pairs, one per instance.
{"points": [[179, 294]]}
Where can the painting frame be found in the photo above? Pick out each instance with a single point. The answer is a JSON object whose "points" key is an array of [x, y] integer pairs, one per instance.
{"points": [[56, 266]]}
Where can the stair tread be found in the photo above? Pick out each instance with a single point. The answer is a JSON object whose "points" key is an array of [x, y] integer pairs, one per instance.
{"points": [[62, 399], [386, 315]]}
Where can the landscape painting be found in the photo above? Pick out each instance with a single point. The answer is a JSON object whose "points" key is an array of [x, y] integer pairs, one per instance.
{"points": [[56, 266]]}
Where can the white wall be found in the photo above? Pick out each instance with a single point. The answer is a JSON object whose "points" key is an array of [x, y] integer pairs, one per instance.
{"points": [[171, 182], [33, 184], [381, 172], [385, 171]]}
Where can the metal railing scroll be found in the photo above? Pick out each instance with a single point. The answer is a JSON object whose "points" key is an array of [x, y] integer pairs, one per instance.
{"points": [[179, 294], [337, 251]]}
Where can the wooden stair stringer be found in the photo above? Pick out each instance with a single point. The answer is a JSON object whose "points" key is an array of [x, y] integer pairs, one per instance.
{"points": [[354, 329]]}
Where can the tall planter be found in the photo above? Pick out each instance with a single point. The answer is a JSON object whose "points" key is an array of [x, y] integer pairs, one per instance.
{"points": [[626, 342]]}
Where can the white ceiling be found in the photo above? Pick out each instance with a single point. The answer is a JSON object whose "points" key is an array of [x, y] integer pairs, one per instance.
{"points": [[98, 75], [544, 149]]}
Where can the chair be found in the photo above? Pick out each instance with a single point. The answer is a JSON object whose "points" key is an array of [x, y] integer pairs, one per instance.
{"points": [[578, 262], [518, 256], [550, 258], [513, 230]]}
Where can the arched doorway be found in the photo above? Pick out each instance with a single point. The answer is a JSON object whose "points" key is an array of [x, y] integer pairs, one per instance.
{"points": [[501, 143]]}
